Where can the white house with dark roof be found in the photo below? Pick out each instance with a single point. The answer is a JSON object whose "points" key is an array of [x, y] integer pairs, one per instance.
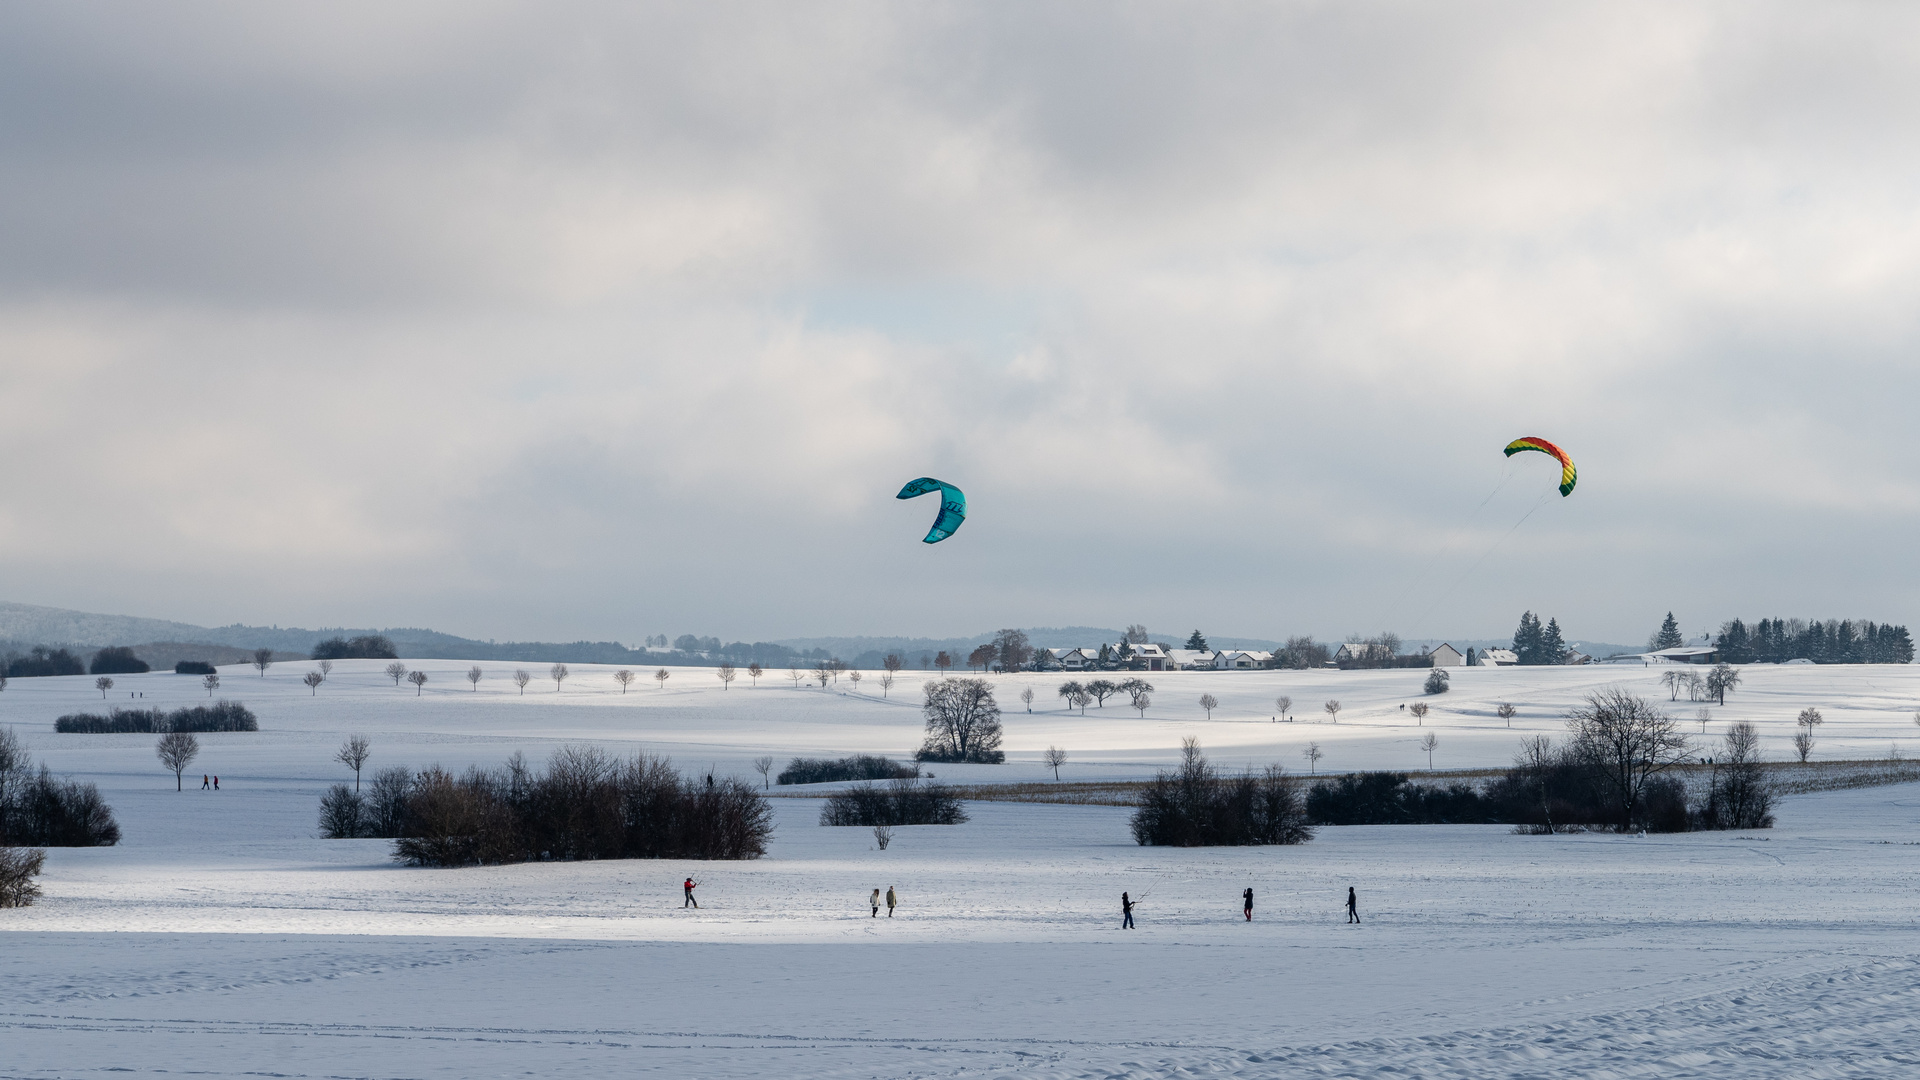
{"points": [[1445, 655]]}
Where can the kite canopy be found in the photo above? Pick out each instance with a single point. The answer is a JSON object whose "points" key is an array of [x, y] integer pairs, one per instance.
{"points": [[953, 506], [1568, 474]]}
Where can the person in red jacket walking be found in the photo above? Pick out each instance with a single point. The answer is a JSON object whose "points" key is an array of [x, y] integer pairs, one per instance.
{"points": [[691, 902]]}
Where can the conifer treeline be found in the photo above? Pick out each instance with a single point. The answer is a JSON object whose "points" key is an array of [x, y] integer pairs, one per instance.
{"points": [[1534, 644], [1835, 641]]}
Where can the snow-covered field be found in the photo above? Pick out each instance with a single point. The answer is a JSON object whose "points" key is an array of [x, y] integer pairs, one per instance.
{"points": [[221, 938]]}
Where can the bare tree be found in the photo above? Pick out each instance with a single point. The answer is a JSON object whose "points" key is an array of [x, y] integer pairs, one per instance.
{"points": [[1284, 704], [396, 671], [1141, 701], [1136, 634], [891, 664], [1675, 681], [1696, 686], [1054, 758], [1506, 712], [963, 721], [1429, 744], [211, 682], [943, 662], [794, 677], [982, 657], [1102, 689], [886, 683], [1012, 649], [883, 835], [521, 678], [1313, 755], [1333, 710], [823, 670], [1536, 759], [1419, 711], [1721, 679], [856, 677], [419, 681], [763, 766], [624, 678], [263, 659], [726, 674], [660, 677], [176, 750], [326, 667], [1026, 698], [1703, 715], [1209, 703], [754, 671], [353, 754], [313, 679], [103, 684], [1628, 741], [558, 673], [1080, 699], [474, 675], [1803, 739]]}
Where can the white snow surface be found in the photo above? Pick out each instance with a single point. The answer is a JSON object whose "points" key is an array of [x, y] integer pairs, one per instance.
{"points": [[222, 938]]}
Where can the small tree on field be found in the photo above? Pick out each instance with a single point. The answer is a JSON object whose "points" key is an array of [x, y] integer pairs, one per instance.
{"points": [[1721, 679], [763, 766], [353, 754], [1284, 704], [1054, 758], [1419, 711], [1333, 710], [176, 750], [1071, 687], [211, 682], [855, 676], [521, 678], [263, 659], [754, 671], [1703, 715], [474, 675], [823, 671], [942, 661], [1313, 755], [882, 836], [982, 657], [1675, 681], [558, 673], [396, 671], [1429, 744], [1506, 712], [326, 667], [891, 664], [624, 678], [725, 672], [103, 684], [794, 677], [1437, 682], [1026, 698], [313, 679], [1627, 741], [1803, 739], [661, 677], [1080, 700], [963, 722], [1140, 700], [1102, 689], [886, 683], [419, 681], [1208, 701]]}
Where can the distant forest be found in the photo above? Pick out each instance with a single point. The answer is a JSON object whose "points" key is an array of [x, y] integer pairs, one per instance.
{"points": [[1835, 641]]}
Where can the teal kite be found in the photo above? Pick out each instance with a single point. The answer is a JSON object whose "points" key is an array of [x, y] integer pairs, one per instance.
{"points": [[953, 506]]}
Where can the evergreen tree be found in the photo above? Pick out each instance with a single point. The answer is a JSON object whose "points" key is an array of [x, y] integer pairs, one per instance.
{"points": [[1197, 642], [1526, 639], [1472, 659], [1553, 650], [1669, 635]]}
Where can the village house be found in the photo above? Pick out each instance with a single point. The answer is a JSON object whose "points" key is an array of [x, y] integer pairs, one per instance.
{"points": [[1445, 655]]}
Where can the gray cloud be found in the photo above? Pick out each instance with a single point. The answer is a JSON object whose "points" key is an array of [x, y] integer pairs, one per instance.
{"points": [[592, 320]]}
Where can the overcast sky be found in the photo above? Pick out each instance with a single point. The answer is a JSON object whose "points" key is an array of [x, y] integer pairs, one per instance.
{"points": [[574, 320]]}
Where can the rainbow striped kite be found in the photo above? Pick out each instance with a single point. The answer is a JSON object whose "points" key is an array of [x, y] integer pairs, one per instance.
{"points": [[1568, 474]]}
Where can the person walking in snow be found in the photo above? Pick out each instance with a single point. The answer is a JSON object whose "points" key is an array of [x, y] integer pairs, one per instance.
{"points": [[206, 782], [874, 900], [1353, 906], [690, 901], [1126, 912], [891, 901], [216, 783], [1247, 908]]}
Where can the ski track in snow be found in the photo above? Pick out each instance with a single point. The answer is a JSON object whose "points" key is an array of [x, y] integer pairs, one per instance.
{"points": [[221, 939]]}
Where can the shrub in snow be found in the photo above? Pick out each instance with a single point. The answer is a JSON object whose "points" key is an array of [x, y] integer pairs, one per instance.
{"points": [[219, 716], [856, 767], [586, 805], [43, 811], [1386, 798], [1437, 681], [117, 660], [18, 867], [1738, 796], [193, 667], [342, 814], [903, 802], [1197, 807]]}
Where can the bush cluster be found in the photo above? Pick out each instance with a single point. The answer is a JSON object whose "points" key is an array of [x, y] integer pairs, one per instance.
{"points": [[41, 810], [41, 661], [219, 716], [902, 802], [586, 805], [857, 767], [117, 660], [1197, 807], [1386, 798], [364, 647], [194, 667]]}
